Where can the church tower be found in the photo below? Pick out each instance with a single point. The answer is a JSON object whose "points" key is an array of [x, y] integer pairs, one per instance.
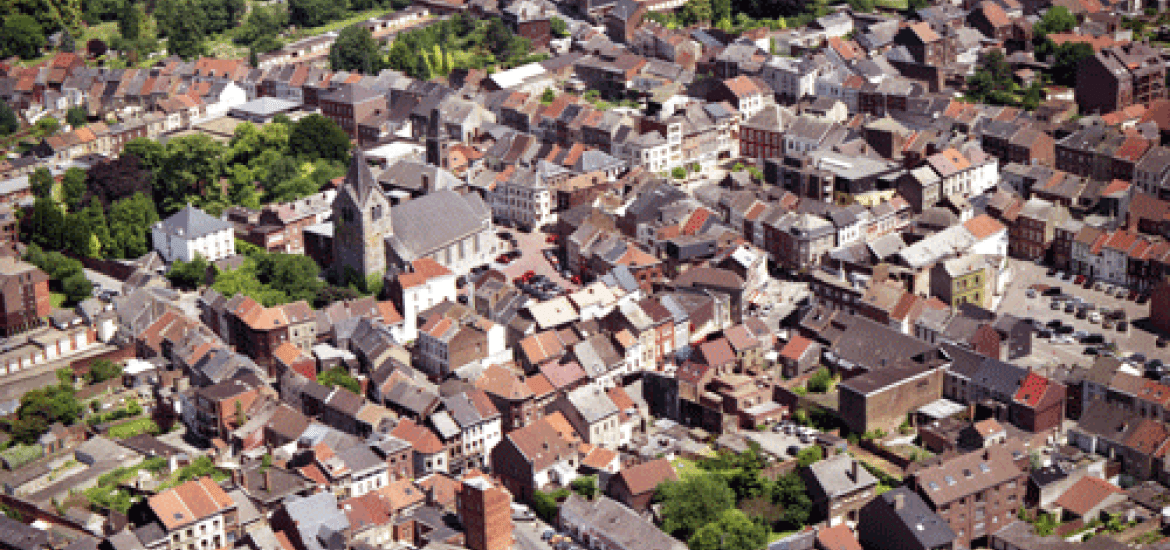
{"points": [[361, 223]]}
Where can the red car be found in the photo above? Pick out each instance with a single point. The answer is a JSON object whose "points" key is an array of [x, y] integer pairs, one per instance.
{"points": [[551, 239], [1080, 280], [576, 279], [528, 275], [503, 259]]}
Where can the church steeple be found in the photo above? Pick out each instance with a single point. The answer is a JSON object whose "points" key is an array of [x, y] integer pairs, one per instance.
{"points": [[360, 177]]}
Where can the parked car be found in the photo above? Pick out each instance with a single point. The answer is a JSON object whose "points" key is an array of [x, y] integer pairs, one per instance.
{"points": [[1051, 271], [1053, 324], [1095, 317], [1052, 291], [1122, 326], [1095, 338], [1080, 280], [1069, 307], [1031, 293]]}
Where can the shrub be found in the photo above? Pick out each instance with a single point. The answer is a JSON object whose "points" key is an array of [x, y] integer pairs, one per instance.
{"points": [[19, 455], [820, 381]]}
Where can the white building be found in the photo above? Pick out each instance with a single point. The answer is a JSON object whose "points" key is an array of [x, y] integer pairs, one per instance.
{"points": [[525, 199], [427, 284], [192, 232], [649, 150], [480, 423], [790, 78]]}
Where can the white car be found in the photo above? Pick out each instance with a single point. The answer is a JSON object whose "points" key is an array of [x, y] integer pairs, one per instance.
{"points": [[1095, 317]]}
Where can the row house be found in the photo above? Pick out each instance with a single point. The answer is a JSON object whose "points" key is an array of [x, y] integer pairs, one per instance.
{"points": [[525, 199], [1119, 76], [257, 331], [1017, 143], [791, 79], [1034, 230]]}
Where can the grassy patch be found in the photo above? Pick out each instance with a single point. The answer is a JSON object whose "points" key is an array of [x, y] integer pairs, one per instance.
{"points": [[20, 455], [131, 428], [57, 299], [901, 5]]}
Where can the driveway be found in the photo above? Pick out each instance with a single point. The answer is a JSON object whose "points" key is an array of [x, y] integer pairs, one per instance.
{"points": [[777, 443]]}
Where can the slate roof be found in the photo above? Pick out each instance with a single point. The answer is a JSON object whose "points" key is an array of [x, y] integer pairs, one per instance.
{"points": [[192, 223]]}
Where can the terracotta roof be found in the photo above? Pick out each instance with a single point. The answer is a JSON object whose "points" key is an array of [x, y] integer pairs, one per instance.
{"points": [[647, 476], [1148, 437], [562, 375], [422, 438], [561, 424], [983, 226], [501, 381], [541, 444], [988, 427], [314, 474], [190, 502], [1086, 494], [994, 14], [442, 488], [599, 458], [837, 538], [425, 269], [924, 32], [717, 352], [1097, 42], [795, 347], [741, 86]]}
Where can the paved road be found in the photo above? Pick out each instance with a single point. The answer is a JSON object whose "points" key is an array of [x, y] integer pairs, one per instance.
{"points": [[527, 535], [1046, 354], [102, 280]]}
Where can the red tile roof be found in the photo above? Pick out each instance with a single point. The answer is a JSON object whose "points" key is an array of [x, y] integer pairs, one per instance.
{"points": [[1086, 494]]}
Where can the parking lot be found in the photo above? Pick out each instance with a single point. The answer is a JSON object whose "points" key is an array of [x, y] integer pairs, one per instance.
{"points": [[531, 246], [1046, 353], [778, 444]]}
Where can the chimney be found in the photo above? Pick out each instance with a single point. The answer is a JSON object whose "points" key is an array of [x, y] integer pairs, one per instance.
{"points": [[237, 478], [899, 501], [267, 479], [854, 471]]}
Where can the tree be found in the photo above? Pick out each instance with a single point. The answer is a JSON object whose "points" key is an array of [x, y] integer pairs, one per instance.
{"points": [[293, 274], [190, 169], [548, 96], [692, 502], [76, 288], [77, 117], [915, 5], [317, 137], [695, 11], [101, 370], [129, 21], [73, 187], [721, 10], [789, 490], [189, 274], [241, 418], [820, 381], [678, 172], [130, 220], [558, 27], [21, 36], [585, 486], [312, 13], [185, 32], [1066, 57], [733, 530], [338, 376], [8, 121], [355, 50], [48, 125], [809, 456], [68, 43], [40, 183], [116, 179], [1056, 20], [45, 224], [862, 6]]}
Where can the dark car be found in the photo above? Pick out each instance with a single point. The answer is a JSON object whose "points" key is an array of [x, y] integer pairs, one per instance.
{"points": [[1051, 271], [1092, 351], [1160, 342], [1094, 338], [1122, 326], [1055, 323], [1044, 333], [1052, 291]]}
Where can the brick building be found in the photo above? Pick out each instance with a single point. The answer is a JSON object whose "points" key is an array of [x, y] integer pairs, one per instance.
{"points": [[486, 514], [24, 295], [1120, 76], [977, 493]]}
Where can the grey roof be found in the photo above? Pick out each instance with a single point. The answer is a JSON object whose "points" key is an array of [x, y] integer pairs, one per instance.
{"points": [[444, 425], [596, 355], [926, 526], [193, 223], [835, 475], [593, 404], [418, 176], [435, 220], [360, 458], [621, 525], [266, 106], [317, 518]]}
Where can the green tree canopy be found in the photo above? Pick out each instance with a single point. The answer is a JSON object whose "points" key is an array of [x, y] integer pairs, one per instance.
{"points": [[73, 187], [318, 137], [8, 121], [1056, 20], [312, 13], [338, 376], [1066, 57], [101, 370], [692, 502], [22, 36], [585, 486], [733, 530], [77, 117], [190, 274], [355, 50], [40, 183], [558, 27]]}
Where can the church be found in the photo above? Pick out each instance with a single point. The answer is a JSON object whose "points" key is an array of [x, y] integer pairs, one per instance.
{"points": [[373, 238]]}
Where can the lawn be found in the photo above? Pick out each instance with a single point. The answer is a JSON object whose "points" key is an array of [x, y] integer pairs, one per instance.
{"points": [[900, 5], [56, 299], [131, 428]]}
